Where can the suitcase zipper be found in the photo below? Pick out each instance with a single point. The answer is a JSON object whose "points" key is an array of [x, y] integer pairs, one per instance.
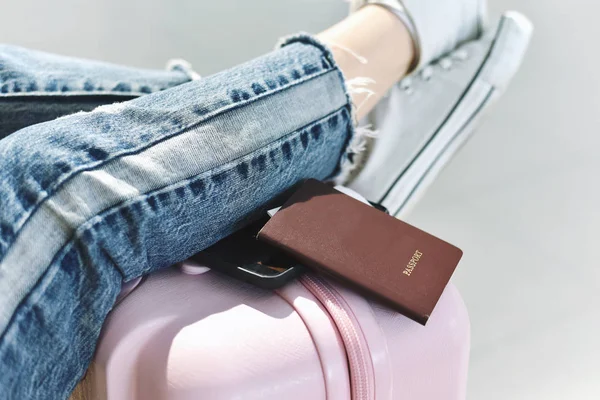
{"points": [[359, 358]]}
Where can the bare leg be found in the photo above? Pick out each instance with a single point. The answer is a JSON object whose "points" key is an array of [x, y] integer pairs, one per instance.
{"points": [[384, 45]]}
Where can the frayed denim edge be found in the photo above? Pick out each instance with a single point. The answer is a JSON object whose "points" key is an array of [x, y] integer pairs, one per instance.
{"points": [[356, 137]]}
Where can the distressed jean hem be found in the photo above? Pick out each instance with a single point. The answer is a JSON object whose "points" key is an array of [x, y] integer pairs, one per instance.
{"points": [[347, 160]]}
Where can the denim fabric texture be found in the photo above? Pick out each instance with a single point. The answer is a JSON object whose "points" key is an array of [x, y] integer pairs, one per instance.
{"points": [[93, 199], [37, 87]]}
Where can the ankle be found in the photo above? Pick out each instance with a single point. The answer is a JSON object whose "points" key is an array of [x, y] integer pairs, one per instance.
{"points": [[371, 43], [398, 10]]}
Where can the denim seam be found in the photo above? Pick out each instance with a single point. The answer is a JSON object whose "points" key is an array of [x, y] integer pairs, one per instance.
{"points": [[98, 218], [49, 192], [60, 87]]}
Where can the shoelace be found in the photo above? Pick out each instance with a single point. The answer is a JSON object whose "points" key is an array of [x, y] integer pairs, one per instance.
{"points": [[427, 72]]}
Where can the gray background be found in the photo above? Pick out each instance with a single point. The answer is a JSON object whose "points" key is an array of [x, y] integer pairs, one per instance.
{"points": [[521, 198]]}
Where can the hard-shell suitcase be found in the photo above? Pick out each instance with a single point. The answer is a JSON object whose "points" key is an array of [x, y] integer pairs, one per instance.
{"points": [[192, 333]]}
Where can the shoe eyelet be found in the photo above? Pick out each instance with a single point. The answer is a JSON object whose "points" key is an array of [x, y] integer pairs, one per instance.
{"points": [[426, 73], [461, 55], [445, 63], [406, 85]]}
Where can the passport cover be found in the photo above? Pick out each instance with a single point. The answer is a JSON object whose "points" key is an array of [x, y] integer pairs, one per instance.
{"points": [[374, 253]]}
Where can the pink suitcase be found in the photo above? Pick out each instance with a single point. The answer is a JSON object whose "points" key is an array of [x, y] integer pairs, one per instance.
{"points": [[191, 333]]}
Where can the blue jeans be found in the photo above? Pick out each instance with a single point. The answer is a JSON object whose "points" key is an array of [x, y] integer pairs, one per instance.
{"points": [[96, 198]]}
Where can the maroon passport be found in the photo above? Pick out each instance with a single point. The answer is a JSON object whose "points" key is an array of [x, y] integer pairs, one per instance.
{"points": [[364, 248]]}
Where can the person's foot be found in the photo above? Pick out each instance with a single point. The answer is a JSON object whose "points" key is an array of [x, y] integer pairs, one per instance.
{"points": [[437, 26], [428, 115]]}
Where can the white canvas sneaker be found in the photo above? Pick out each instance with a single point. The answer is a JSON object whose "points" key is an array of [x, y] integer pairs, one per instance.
{"points": [[429, 115]]}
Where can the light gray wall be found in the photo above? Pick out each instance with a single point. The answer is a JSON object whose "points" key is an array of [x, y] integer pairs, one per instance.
{"points": [[212, 35]]}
